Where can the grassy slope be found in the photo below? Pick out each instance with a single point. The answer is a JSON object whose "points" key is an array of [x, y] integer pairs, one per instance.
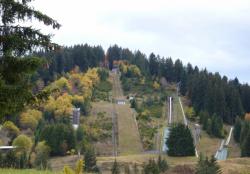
{"points": [[129, 139], [230, 166], [209, 145], [103, 148], [26, 171], [236, 166], [127, 130]]}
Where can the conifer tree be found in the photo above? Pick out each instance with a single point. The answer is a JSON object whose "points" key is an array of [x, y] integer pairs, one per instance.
{"points": [[90, 160], [206, 166], [162, 164], [209, 126], [244, 131], [180, 141], [151, 167], [126, 169], [245, 148], [115, 168], [16, 42], [237, 129], [216, 126]]}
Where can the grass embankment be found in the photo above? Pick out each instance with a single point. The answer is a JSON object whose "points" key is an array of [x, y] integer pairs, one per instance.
{"points": [[129, 138], [26, 171], [230, 166], [103, 146]]}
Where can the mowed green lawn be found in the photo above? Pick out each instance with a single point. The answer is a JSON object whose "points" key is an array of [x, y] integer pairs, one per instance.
{"points": [[26, 171]]}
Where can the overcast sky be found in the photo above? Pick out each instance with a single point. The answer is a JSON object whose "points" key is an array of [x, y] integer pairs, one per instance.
{"points": [[209, 33]]}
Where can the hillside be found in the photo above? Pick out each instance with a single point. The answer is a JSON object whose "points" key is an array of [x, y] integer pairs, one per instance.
{"points": [[82, 109], [127, 126], [112, 126]]}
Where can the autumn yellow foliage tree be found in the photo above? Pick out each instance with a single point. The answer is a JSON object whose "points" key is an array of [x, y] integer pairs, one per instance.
{"points": [[61, 106], [135, 70], [75, 87], [129, 70], [123, 68], [11, 128], [83, 83], [78, 169], [23, 144], [30, 118], [63, 84], [156, 85]]}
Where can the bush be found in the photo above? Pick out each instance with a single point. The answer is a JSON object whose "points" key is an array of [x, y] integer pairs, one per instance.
{"points": [[90, 160], [103, 74], [11, 128], [59, 137], [151, 167], [104, 86], [133, 103], [162, 164], [190, 113], [23, 143], [115, 168], [210, 166], [42, 155], [78, 169], [9, 160]]}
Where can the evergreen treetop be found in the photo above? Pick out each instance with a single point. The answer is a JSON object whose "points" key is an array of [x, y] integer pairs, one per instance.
{"points": [[16, 42], [180, 141]]}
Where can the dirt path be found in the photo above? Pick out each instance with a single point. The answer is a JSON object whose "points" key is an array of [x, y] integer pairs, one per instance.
{"points": [[128, 140]]}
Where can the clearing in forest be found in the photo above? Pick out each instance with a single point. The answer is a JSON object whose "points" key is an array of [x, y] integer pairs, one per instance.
{"points": [[128, 139]]}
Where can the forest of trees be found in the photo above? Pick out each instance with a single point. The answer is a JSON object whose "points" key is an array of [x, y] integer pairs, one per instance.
{"points": [[38, 90], [66, 58], [241, 134], [207, 91]]}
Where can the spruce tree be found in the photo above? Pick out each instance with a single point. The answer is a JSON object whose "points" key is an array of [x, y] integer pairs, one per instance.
{"points": [[237, 129], [90, 160], [201, 167], [209, 126], [245, 148], [180, 141], [213, 167], [133, 104], [203, 119], [206, 166], [216, 126], [151, 167], [162, 164], [245, 129], [16, 42], [115, 168]]}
